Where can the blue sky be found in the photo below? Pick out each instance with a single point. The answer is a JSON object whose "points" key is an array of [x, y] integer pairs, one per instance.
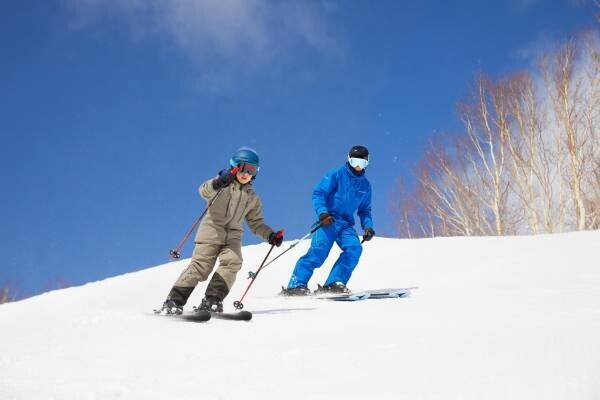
{"points": [[113, 112]]}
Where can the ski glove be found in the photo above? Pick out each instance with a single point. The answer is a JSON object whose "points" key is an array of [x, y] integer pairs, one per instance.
{"points": [[325, 219], [368, 235], [276, 238], [225, 178]]}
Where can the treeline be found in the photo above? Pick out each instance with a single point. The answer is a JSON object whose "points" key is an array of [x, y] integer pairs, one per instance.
{"points": [[10, 292], [6, 294], [527, 160]]}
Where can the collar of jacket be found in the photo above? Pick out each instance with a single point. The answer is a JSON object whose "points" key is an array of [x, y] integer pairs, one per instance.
{"points": [[245, 186], [361, 173]]}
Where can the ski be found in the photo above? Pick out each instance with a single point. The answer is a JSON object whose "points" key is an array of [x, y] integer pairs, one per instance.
{"points": [[203, 316], [367, 294], [343, 297], [196, 316], [232, 316]]}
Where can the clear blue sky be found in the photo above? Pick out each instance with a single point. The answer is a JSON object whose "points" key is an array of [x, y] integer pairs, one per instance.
{"points": [[113, 112]]}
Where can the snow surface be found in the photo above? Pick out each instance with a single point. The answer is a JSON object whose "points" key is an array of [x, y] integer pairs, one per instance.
{"points": [[492, 318]]}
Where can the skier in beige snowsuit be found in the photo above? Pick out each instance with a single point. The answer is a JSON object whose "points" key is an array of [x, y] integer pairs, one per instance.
{"points": [[220, 234]]}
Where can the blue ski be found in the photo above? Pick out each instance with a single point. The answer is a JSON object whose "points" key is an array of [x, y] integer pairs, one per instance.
{"points": [[368, 294]]}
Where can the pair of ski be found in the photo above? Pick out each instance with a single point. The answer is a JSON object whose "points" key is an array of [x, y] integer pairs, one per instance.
{"points": [[391, 293], [203, 316]]}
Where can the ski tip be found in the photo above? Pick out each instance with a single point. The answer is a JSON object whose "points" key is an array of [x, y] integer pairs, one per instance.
{"points": [[234, 316], [245, 315]]}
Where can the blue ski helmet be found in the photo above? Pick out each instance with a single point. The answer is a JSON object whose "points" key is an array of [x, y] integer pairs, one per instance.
{"points": [[244, 155]]}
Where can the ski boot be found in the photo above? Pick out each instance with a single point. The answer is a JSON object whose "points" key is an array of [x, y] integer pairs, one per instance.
{"points": [[334, 288], [296, 291], [169, 307], [211, 303]]}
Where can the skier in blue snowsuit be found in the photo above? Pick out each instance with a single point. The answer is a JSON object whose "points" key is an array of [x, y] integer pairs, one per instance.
{"points": [[342, 192]]}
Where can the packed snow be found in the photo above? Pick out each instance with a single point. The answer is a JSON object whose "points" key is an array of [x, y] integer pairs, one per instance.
{"points": [[488, 318]]}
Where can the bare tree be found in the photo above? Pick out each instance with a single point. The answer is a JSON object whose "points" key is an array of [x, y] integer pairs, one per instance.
{"points": [[566, 95], [591, 118], [533, 157], [487, 121], [7, 293], [528, 160]]}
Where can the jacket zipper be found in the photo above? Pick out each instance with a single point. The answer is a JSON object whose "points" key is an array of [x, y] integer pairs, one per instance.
{"points": [[237, 206]]}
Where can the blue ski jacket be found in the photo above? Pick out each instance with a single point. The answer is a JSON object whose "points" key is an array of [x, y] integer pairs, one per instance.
{"points": [[341, 193]]}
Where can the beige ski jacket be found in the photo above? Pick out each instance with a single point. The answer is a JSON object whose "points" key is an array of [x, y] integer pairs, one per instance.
{"points": [[223, 222]]}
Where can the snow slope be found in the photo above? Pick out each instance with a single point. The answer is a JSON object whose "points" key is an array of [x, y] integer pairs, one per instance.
{"points": [[492, 318]]}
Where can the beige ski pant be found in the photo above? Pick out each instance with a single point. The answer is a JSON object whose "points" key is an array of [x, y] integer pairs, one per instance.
{"points": [[202, 263]]}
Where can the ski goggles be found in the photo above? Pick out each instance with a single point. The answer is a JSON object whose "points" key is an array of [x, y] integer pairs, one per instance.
{"points": [[246, 168], [358, 162]]}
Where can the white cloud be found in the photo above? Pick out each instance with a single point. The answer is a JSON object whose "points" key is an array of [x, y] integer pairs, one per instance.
{"points": [[542, 44], [234, 36]]}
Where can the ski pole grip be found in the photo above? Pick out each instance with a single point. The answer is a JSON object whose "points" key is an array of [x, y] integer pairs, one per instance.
{"points": [[316, 226]]}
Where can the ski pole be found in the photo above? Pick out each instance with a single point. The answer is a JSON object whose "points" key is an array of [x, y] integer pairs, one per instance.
{"points": [[174, 253], [315, 227], [252, 275], [238, 303]]}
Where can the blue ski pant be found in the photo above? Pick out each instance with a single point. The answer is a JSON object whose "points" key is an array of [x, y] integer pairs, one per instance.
{"points": [[321, 244]]}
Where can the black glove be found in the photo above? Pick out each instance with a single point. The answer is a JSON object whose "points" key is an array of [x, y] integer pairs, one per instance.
{"points": [[325, 219], [276, 238], [368, 235], [225, 178]]}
